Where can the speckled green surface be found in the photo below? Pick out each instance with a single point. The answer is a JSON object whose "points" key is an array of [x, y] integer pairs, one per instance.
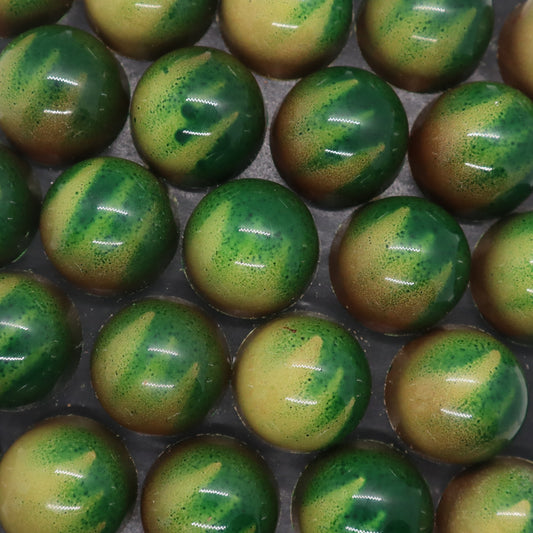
{"points": [[301, 382], [456, 395], [400, 264], [367, 487], [20, 202], [424, 46], [250, 248], [68, 474], [470, 151], [502, 270], [159, 365], [340, 137], [197, 117], [63, 95], [17, 16], [40, 338], [286, 39], [209, 483], [147, 30], [496, 497], [107, 225]]}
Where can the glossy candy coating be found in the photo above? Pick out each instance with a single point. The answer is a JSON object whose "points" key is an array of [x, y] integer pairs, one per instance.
{"points": [[107, 225], [400, 264], [20, 202], [40, 338], [364, 487], [209, 483], [287, 39], [421, 46], [148, 30], [68, 474], [250, 248], [159, 365], [301, 382], [63, 95], [197, 117], [456, 395], [470, 151], [502, 276], [514, 48], [340, 137], [17, 16], [493, 497]]}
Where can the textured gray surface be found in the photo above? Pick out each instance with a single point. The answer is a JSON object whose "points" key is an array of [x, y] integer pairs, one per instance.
{"points": [[78, 396]]}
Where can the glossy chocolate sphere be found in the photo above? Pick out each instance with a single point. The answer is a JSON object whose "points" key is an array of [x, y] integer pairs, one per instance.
{"points": [[197, 117], [306, 373], [339, 137], [456, 395], [422, 46], [20, 202], [287, 39], [40, 338], [400, 264], [63, 95], [159, 365], [145, 30], [68, 474], [495, 496], [470, 150], [107, 225], [250, 248], [364, 487], [209, 483]]}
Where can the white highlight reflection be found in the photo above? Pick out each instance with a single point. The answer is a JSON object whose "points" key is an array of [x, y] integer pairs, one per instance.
{"points": [[200, 133], [308, 367], [400, 281], [208, 526], [62, 80], [483, 135], [479, 167], [216, 492], [252, 265], [458, 414], [161, 350], [112, 210], [301, 402], [159, 385], [62, 508], [425, 39], [255, 231], [285, 26], [201, 101], [109, 243], [68, 473], [343, 154], [13, 325], [429, 8], [344, 120]]}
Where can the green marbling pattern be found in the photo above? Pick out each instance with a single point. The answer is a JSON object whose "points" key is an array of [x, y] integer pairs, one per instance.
{"points": [[206, 484], [301, 382], [17, 16], [366, 487], [40, 338], [197, 117], [287, 39], [496, 497], [250, 248], [399, 264], [424, 46], [456, 395], [502, 270], [20, 202], [159, 365], [340, 137], [63, 95], [68, 474], [470, 150], [107, 225], [148, 30]]}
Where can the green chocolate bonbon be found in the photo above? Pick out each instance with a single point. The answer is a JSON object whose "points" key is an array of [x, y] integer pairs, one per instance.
{"points": [[364, 487], [68, 474], [250, 248], [399, 264], [40, 338], [456, 395], [424, 46], [20, 202], [63, 95], [197, 117], [470, 150], [209, 483], [306, 373], [159, 365], [107, 225], [340, 137]]}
